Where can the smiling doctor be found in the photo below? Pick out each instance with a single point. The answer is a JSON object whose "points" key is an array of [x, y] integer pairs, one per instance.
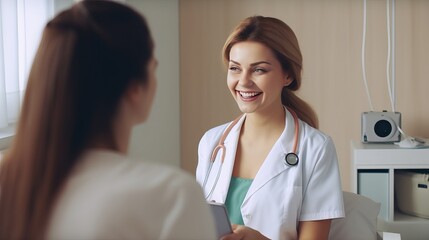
{"points": [[276, 173]]}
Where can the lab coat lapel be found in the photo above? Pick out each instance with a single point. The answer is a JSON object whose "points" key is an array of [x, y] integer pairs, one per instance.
{"points": [[221, 190], [275, 163]]}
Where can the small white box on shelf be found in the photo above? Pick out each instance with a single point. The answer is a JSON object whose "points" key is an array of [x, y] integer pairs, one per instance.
{"points": [[375, 185]]}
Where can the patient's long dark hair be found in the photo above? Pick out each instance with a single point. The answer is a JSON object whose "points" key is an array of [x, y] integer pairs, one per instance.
{"points": [[88, 56]]}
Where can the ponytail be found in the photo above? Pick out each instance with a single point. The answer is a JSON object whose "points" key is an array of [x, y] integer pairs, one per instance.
{"points": [[302, 109]]}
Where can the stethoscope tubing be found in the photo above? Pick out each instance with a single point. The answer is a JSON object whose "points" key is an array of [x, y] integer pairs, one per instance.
{"points": [[296, 137], [220, 146]]}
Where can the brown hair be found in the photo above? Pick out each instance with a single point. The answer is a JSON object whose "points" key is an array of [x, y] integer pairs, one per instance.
{"points": [[88, 56], [280, 38]]}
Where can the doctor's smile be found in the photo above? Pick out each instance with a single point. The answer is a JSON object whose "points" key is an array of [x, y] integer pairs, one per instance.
{"points": [[246, 96]]}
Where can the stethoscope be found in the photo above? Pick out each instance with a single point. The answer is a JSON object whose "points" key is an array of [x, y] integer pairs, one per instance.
{"points": [[291, 158]]}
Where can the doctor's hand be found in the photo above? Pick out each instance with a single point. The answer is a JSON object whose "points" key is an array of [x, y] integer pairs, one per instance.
{"points": [[241, 232]]}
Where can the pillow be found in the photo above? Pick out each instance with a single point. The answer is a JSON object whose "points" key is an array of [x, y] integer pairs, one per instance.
{"points": [[360, 221]]}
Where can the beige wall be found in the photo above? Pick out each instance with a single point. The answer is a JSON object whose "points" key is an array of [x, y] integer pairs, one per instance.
{"points": [[158, 139], [330, 34]]}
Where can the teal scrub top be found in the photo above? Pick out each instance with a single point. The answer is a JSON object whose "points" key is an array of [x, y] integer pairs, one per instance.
{"points": [[237, 191]]}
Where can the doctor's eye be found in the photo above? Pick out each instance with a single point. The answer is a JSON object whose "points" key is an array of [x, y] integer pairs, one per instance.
{"points": [[259, 70], [233, 68]]}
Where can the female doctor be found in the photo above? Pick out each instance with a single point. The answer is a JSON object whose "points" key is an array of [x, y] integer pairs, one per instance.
{"points": [[276, 173]]}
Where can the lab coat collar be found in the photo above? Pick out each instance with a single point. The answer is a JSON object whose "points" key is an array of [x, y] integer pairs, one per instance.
{"points": [[273, 165], [235, 131], [275, 162]]}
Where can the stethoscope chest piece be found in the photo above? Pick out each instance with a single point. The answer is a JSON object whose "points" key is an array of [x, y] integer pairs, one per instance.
{"points": [[291, 159]]}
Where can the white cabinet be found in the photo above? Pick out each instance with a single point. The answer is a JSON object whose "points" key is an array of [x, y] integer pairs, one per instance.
{"points": [[373, 175]]}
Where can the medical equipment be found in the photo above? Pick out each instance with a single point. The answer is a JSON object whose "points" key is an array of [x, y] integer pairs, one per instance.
{"points": [[291, 158], [380, 127]]}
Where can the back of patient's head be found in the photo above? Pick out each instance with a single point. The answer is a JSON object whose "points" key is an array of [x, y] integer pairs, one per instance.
{"points": [[96, 49], [88, 56]]}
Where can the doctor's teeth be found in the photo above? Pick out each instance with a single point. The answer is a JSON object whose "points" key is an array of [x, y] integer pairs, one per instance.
{"points": [[248, 94]]}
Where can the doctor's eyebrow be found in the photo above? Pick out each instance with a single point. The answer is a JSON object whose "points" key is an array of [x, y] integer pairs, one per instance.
{"points": [[252, 64]]}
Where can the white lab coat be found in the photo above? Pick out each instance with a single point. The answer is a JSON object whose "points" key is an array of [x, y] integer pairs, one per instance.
{"points": [[280, 196], [108, 196]]}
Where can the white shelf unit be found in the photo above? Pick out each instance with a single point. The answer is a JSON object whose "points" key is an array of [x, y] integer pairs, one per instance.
{"points": [[374, 168]]}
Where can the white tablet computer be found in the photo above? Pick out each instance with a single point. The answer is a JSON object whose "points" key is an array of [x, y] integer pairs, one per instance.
{"points": [[223, 225]]}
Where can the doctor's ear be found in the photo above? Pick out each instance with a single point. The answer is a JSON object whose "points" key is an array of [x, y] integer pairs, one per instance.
{"points": [[287, 80]]}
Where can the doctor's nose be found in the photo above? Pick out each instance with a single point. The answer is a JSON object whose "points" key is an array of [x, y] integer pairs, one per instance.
{"points": [[245, 80]]}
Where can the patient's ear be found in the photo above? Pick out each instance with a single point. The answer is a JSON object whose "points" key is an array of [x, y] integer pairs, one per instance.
{"points": [[132, 101], [134, 92], [138, 100]]}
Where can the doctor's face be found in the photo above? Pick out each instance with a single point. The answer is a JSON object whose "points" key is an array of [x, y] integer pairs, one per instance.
{"points": [[255, 77]]}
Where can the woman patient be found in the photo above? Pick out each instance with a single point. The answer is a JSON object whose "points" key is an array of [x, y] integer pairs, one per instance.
{"points": [[67, 175]]}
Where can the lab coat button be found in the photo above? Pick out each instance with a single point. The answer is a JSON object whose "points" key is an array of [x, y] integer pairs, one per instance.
{"points": [[248, 216]]}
